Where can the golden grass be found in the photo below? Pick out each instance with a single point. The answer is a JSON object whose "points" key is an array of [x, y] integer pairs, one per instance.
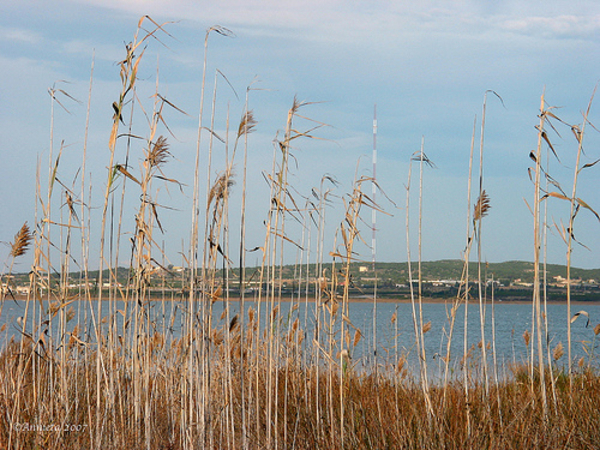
{"points": [[386, 410], [21, 242], [482, 206]]}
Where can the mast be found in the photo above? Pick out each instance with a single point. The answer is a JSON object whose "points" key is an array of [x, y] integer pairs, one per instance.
{"points": [[374, 185], [373, 239]]}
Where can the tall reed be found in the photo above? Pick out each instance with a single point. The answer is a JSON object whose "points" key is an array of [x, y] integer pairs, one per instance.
{"points": [[418, 318]]}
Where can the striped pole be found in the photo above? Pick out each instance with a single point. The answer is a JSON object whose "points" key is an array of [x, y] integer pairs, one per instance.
{"points": [[374, 191], [374, 229]]}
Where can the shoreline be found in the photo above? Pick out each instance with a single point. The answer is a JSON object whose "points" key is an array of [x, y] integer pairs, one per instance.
{"points": [[287, 299]]}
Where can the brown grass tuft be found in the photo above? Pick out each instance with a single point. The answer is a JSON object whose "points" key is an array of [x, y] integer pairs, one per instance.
{"points": [[357, 336], [220, 188], [558, 352], [159, 152], [526, 337], [482, 206], [22, 240], [247, 124], [427, 327]]}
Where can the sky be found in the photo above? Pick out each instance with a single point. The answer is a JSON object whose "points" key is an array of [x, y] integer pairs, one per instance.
{"points": [[425, 65]]}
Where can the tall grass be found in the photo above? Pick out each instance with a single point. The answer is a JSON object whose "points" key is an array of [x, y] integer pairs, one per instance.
{"points": [[166, 370]]}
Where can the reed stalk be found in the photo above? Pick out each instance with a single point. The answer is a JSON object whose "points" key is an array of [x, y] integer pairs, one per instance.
{"points": [[537, 247], [545, 284], [462, 296], [418, 318], [481, 209], [425, 380], [575, 203]]}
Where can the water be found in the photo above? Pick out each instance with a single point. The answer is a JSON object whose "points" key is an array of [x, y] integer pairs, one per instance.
{"points": [[393, 340]]}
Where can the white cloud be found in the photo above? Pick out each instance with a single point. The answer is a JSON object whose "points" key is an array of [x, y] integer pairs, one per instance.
{"points": [[85, 48], [20, 35], [558, 26], [356, 21]]}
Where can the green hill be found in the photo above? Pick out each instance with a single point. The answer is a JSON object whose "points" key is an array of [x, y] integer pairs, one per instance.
{"points": [[441, 278]]}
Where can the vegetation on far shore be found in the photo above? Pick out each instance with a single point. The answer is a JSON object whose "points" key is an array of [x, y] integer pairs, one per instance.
{"points": [[513, 281]]}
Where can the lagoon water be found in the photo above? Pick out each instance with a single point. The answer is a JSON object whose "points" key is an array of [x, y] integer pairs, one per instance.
{"points": [[394, 340]]}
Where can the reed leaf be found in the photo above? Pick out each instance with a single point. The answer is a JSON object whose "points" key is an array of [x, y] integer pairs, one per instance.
{"points": [[220, 188], [581, 313]]}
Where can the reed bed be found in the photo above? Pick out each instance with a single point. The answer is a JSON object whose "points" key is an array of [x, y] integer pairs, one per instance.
{"points": [[379, 411], [77, 376]]}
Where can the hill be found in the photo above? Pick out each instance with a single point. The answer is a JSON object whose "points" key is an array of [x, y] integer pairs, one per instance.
{"points": [[512, 279]]}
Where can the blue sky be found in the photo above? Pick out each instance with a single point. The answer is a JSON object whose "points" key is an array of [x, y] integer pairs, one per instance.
{"points": [[426, 65]]}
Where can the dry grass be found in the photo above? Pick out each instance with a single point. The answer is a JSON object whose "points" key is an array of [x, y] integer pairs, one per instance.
{"points": [[482, 207], [379, 411], [21, 242]]}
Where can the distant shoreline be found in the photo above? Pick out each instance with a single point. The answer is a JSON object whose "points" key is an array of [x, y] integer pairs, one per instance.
{"points": [[425, 300]]}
